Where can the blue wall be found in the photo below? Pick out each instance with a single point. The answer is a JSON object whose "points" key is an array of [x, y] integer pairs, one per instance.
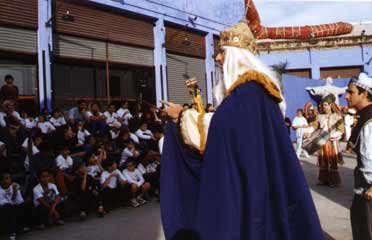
{"points": [[296, 95]]}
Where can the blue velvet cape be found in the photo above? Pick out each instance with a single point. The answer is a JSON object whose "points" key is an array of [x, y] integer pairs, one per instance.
{"points": [[251, 184]]}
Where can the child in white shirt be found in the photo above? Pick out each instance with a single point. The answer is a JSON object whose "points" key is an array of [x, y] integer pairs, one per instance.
{"points": [[82, 133], [57, 119], [143, 133], [45, 126], [139, 187], [27, 121], [46, 200], [64, 161], [129, 151], [30, 146], [94, 169], [124, 114], [11, 205], [111, 116], [113, 183]]}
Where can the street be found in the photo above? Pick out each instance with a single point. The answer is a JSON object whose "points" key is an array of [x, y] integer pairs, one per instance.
{"points": [[144, 223]]}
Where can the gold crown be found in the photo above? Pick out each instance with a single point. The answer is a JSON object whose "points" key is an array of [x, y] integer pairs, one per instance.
{"points": [[240, 36]]}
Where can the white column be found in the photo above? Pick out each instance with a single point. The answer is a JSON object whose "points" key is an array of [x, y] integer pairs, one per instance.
{"points": [[45, 44], [160, 62], [209, 65]]}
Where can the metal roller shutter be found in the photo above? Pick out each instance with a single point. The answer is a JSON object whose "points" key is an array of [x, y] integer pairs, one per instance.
{"points": [[178, 66], [18, 40], [81, 48]]}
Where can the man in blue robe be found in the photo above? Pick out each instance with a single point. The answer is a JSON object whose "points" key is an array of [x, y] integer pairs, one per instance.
{"points": [[247, 183]]}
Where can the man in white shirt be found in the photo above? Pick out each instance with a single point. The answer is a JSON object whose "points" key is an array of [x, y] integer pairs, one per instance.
{"points": [[11, 208], [359, 96], [300, 125]]}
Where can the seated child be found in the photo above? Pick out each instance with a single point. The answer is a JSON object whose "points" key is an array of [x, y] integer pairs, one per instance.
{"points": [[47, 200], [139, 187], [113, 183], [11, 206], [85, 191]]}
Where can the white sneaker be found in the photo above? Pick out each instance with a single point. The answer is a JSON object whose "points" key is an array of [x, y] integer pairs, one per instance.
{"points": [[134, 203], [141, 201], [12, 236]]}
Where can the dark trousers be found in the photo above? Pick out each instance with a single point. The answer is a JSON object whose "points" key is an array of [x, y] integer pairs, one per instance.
{"points": [[153, 179], [87, 200], [42, 213], [114, 197], [361, 218], [11, 217]]}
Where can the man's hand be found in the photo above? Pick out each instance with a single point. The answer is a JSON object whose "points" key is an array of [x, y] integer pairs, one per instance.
{"points": [[368, 194], [173, 110]]}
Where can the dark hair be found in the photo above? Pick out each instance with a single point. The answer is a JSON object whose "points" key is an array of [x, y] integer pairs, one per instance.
{"points": [[108, 163], [186, 104], [8, 76], [41, 171], [56, 110], [111, 104], [130, 160], [300, 110], [3, 174], [77, 165], [362, 90], [81, 101]]}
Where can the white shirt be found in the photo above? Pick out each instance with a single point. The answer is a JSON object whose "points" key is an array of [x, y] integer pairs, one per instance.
{"points": [[90, 114], [114, 135], [365, 139], [111, 117], [57, 122], [46, 127], [64, 163], [114, 180], [134, 177], [349, 120], [6, 195], [82, 134], [35, 150], [3, 116], [93, 170], [28, 122], [144, 135], [125, 154], [134, 137], [160, 144], [299, 121], [16, 115], [124, 114], [50, 195], [2, 119], [150, 168]]}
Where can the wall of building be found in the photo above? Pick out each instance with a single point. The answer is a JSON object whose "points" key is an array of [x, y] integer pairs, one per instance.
{"points": [[316, 59], [214, 15]]}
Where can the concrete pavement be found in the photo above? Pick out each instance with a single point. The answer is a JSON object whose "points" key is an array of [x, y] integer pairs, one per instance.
{"points": [[144, 223]]}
